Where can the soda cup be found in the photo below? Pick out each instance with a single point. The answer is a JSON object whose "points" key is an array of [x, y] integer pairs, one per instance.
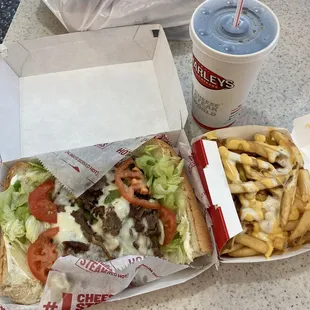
{"points": [[227, 59]]}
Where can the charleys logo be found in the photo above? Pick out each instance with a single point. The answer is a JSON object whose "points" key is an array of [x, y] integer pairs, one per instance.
{"points": [[209, 79]]}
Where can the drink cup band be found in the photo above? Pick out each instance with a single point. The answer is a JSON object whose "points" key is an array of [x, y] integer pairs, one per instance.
{"points": [[210, 128]]}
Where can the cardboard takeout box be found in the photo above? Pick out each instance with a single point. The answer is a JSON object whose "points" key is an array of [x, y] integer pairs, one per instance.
{"points": [[77, 90], [225, 220]]}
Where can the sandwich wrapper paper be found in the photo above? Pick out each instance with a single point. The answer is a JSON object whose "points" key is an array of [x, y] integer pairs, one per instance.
{"points": [[80, 169]]}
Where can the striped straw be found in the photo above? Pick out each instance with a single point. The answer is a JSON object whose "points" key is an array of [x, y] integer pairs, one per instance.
{"points": [[238, 13]]}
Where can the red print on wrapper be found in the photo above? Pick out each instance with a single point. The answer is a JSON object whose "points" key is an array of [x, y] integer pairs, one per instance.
{"points": [[82, 162], [98, 267], [209, 79], [77, 302], [219, 226], [164, 137], [102, 146], [88, 300], [122, 151]]}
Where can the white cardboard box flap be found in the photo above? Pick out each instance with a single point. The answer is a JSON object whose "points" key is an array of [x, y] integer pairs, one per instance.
{"points": [[80, 89]]}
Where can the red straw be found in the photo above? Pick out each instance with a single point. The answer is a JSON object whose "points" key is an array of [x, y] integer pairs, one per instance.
{"points": [[238, 13]]}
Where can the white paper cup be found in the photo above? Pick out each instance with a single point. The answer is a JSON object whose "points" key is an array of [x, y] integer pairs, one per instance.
{"points": [[221, 81]]}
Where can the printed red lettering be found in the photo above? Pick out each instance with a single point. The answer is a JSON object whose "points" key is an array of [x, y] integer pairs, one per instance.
{"points": [[123, 151], [93, 266], [89, 298], [98, 269], [134, 260], [82, 261], [98, 298], [210, 79], [81, 298], [190, 167], [79, 307], [88, 263], [106, 297]]}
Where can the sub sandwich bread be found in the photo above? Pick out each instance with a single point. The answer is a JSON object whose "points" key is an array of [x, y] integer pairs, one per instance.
{"points": [[143, 206]]}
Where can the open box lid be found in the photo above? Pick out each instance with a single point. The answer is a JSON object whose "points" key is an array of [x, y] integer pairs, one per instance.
{"points": [[80, 89]]}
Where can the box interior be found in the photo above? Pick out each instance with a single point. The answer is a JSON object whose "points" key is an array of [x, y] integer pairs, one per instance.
{"points": [[75, 90]]}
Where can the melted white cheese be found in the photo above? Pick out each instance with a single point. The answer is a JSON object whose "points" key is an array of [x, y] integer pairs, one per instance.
{"points": [[272, 215], [126, 240], [111, 242], [162, 232], [97, 227], [69, 230], [121, 208]]}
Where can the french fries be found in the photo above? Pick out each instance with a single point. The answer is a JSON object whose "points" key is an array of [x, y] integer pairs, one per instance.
{"points": [[299, 204], [279, 243], [254, 187], [243, 252], [291, 225], [234, 248], [302, 226], [303, 185], [289, 196], [271, 190]]}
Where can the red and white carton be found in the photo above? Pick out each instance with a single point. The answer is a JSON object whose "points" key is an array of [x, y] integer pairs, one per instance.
{"points": [[77, 98], [225, 220]]}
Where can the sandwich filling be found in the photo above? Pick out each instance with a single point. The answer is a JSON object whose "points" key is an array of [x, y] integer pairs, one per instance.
{"points": [[138, 208]]}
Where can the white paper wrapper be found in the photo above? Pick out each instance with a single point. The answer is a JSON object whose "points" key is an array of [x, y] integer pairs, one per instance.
{"points": [[80, 169], [191, 168], [88, 282], [76, 283]]}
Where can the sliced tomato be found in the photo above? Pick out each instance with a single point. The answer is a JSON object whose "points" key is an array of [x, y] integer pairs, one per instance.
{"points": [[42, 254], [128, 191], [40, 206], [169, 221]]}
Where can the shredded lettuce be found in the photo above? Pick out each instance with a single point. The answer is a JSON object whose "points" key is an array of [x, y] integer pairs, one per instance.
{"points": [[34, 228], [14, 229], [22, 212], [164, 178], [175, 252], [163, 174], [179, 251], [19, 251], [14, 210]]}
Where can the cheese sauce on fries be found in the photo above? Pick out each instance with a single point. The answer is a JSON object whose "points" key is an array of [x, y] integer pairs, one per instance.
{"points": [[263, 175]]}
